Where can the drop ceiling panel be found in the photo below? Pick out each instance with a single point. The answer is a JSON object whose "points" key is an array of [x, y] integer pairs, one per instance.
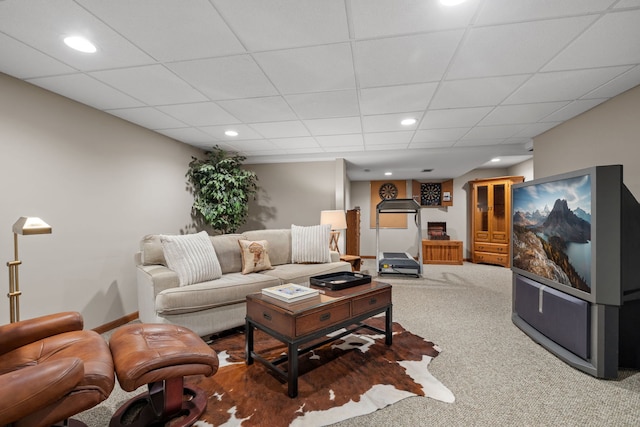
{"points": [[563, 85], [254, 110], [262, 145], [440, 135], [153, 84], [148, 117], [501, 11], [281, 129], [452, 118], [529, 113], [245, 132], [32, 63], [535, 129], [612, 40], [225, 78], [277, 24], [192, 135], [492, 132], [389, 122], [336, 141], [475, 92], [310, 69], [388, 138], [391, 99], [87, 90], [618, 85], [196, 31], [431, 145], [55, 20], [571, 110], [295, 143], [340, 125], [324, 104], [514, 49], [375, 18], [400, 60], [200, 114]]}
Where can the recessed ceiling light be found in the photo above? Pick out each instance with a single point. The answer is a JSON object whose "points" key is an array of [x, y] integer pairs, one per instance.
{"points": [[231, 133], [451, 2], [408, 122], [80, 44], [388, 173], [495, 159]]}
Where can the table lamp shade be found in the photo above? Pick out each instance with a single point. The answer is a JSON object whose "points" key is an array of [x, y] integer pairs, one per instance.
{"points": [[336, 218]]}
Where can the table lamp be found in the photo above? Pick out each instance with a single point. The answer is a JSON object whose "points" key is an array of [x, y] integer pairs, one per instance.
{"points": [[338, 221], [25, 226]]}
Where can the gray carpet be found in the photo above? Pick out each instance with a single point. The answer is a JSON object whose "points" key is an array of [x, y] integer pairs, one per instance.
{"points": [[498, 375]]}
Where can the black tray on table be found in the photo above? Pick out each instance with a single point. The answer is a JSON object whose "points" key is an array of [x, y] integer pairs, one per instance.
{"points": [[340, 280]]}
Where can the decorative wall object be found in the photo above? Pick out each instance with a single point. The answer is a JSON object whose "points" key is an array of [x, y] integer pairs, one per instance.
{"points": [[385, 190]]}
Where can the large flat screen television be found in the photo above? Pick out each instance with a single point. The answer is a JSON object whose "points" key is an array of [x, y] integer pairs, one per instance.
{"points": [[577, 232]]}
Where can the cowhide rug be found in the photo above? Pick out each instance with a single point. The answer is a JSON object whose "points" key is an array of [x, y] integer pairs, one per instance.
{"points": [[355, 375]]}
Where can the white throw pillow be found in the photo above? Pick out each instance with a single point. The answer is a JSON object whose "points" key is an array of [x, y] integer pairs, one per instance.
{"points": [[310, 244], [192, 257]]}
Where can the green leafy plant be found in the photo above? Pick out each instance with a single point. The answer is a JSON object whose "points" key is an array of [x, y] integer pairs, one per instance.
{"points": [[221, 189]]}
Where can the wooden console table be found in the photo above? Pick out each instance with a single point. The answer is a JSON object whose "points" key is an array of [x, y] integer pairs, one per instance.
{"points": [[442, 252]]}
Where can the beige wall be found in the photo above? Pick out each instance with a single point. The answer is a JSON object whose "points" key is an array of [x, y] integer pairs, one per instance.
{"points": [[607, 134], [101, 182], [291, 193]]}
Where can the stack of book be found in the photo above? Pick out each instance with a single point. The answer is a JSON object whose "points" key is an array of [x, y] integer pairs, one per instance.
{"points": [[290, 292]]}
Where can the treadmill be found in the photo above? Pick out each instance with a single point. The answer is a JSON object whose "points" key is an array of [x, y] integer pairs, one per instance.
{"points": [[399, 263]]}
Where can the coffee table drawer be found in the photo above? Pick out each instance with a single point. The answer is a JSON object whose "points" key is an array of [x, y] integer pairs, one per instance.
{"points": [[271, 318], [321, 319], [371, 302]]}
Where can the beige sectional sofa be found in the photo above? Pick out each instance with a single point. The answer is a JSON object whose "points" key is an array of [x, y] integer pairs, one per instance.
{"points": [[216, 305]]}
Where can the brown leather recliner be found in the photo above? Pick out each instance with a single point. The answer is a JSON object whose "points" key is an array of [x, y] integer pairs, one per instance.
{"points": [[51, 369]]}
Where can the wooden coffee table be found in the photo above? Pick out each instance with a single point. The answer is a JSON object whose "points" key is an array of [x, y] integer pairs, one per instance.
{"points": [[311, 319]]}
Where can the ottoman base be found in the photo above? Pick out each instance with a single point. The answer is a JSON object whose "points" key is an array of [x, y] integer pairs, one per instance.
{"points": [[166, 403]]}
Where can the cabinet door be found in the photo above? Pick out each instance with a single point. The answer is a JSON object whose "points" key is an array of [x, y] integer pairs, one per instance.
{"points": [[498, 218], [481, 213]]}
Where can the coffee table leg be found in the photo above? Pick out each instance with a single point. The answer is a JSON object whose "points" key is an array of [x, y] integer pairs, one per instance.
{"points": [[248, 343], [388, 326], [292, 372]]}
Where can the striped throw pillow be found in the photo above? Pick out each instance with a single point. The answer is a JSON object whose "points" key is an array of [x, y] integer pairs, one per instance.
{"points": [[310, 244], [192, 257]]}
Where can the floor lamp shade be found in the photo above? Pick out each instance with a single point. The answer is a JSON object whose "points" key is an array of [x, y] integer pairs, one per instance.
{"points": [[338, 221], [24, 226]]}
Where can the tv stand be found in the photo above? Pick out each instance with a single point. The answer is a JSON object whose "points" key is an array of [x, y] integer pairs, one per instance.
{"points": [[594, 338]]}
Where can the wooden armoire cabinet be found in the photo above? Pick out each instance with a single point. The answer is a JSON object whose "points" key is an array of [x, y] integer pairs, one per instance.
{"points": [[352, 241], [491, 219]]}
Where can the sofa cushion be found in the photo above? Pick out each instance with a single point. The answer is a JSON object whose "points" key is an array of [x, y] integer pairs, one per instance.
{"points": [[231, 288], [310, 244], [192, 257], [279, 243], [228, 252], [255, 256]]}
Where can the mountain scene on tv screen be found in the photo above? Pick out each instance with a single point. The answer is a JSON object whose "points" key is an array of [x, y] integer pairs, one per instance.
{"points": [[552, 231]]}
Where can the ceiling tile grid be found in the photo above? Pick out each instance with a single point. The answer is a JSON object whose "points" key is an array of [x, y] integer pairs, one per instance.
{"points": [[311, 79]]}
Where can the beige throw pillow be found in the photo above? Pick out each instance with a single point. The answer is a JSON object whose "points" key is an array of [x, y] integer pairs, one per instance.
{"points": [[310, 244], [192, 257], [255, 256]]}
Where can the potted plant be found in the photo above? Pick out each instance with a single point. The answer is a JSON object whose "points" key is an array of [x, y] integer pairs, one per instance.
{"points": [[221, 189]]}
